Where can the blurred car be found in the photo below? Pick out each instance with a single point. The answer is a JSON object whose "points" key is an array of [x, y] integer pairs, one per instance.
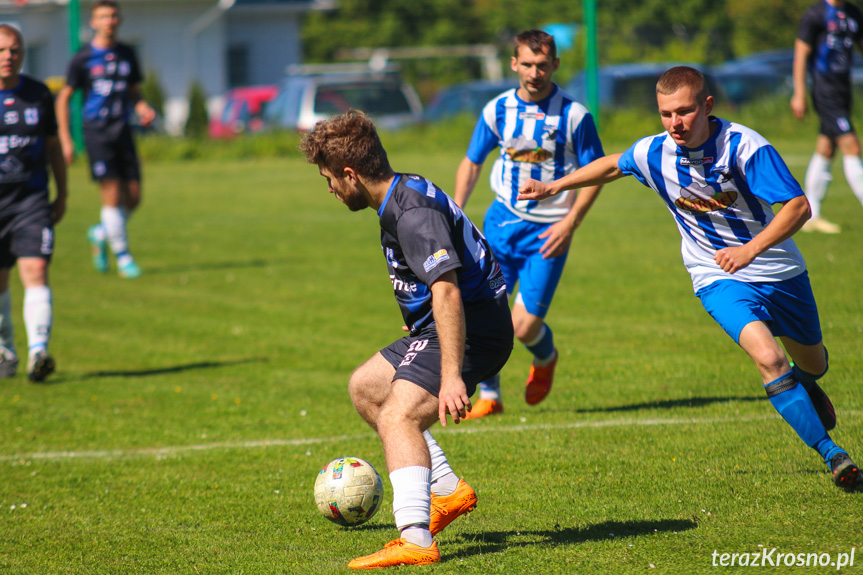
{"points": [[243, 111], [467, 98], [743, 83], [628, 85], [780, 61], [310, 94]]}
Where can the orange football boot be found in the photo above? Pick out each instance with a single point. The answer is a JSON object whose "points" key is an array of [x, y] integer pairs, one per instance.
{"points": [[446, 508], [398, 552], [539, 382], [484, 407]]}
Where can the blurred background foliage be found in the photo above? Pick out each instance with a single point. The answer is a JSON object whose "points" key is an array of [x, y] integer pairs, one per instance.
{"points": [[698, 31]]}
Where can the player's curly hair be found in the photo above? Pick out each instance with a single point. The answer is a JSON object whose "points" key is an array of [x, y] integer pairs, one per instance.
{"points": [[676, 78], [537, 41], [347, 140]]}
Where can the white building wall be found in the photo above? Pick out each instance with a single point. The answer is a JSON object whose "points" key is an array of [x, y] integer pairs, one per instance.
{"points": [[181, 40]]}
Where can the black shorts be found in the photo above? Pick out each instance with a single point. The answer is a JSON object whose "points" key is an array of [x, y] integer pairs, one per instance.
{"points": [[834, 110], [112, 158], [27, 235], [488, 345]]}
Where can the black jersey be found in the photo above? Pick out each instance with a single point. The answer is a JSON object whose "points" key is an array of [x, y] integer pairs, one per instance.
{"points": [[832, 33], [27, 120], [425, 234], [105, 76]]}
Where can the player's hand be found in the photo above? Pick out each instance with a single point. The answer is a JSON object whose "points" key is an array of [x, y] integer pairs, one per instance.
{"points": [[68, 150], [559, 237], [534, 190], [145, 113], [798, 105], [734, 259], [453, 399], [58, 209]]}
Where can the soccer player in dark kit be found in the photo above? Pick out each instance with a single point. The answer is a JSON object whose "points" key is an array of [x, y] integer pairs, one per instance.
{"points": [[28, 145], [452, 295], [108, 73]]}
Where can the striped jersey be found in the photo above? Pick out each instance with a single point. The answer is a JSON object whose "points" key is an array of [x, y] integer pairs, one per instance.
{"points": [[721, 195], [424, 234], [542, 140]]}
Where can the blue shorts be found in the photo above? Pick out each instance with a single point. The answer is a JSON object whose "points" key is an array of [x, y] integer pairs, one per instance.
{"points": [[787, 307], [516, 244]]}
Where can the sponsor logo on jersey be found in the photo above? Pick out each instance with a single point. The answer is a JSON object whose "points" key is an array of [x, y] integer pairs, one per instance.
{"points": [[526, 150], [8, 143], [497, 282], [125, 68], [8, 101], [697, 198], [696, 161], [31, 116], [401, 285], [391, 257], [97, 70], [110, 68], [109, 56], [435, 259], [10, 117], [531, 116]]}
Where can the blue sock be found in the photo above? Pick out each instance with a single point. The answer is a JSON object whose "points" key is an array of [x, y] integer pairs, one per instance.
{"points": [[792, 402], [542, 347], [490, 388]]}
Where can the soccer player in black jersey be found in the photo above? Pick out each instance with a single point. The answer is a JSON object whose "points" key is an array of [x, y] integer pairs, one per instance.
{"points": [[28, 145], [107, 71], [828, 32], [453, 299]]}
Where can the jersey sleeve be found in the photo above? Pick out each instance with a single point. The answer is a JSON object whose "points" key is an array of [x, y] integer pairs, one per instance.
{"points": [[484, 140], [769, 178], [586, 142], [629, 166], [809, 28], [49, 117], [76, 73], [135, 75], [426, 240]]}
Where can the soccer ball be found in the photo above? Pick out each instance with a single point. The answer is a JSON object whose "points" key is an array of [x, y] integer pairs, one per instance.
{"points": [[348, 491]]}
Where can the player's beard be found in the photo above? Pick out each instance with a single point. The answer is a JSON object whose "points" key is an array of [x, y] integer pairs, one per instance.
{"points": [[355, 200]]}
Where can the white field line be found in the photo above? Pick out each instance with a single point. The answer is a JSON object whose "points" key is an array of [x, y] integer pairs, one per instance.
{"points": [[161, 452]]}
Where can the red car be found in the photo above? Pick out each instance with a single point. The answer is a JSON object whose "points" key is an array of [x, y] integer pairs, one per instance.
{"points": [[242, 112]]}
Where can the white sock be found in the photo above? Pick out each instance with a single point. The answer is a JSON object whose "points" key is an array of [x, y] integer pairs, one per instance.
{"points": [[853, 166], [115, 227], [817, 181], [7, 334], [443, 480], [38, 317], [412, 503], [99, 233]]}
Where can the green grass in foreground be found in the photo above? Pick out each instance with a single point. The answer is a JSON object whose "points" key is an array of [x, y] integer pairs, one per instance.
{"points": [[193, 406]]}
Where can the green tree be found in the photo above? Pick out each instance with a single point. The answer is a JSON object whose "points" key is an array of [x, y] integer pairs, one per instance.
{"points": [[196, 123]]}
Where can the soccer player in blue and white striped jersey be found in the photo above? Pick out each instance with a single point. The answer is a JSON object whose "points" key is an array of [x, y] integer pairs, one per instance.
{"points": [[540, 132], [719, 180]]}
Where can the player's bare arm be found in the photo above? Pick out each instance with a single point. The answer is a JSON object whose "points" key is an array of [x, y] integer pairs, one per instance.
{"points": [[449, 318], [466, 178], [790, 218], [802, 50], [596, 173], [64, 133], [559, 235], [58, 168]]}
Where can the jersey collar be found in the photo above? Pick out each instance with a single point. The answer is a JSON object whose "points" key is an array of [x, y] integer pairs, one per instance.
{"points": [[389, 193]]}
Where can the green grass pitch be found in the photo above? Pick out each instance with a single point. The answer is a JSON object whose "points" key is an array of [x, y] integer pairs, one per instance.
{"points": [[193, 407]]}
